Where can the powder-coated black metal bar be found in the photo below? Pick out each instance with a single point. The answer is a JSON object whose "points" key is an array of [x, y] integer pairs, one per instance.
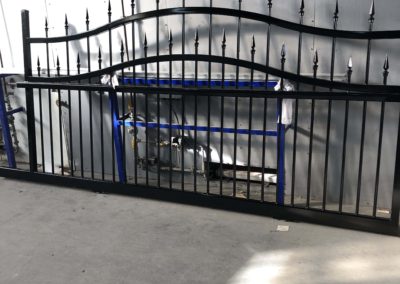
{"points": [[60, 127], [210, 35], [196, 75], [101, 124], [49, 99], [78, 66], [40, 119], [183, 99], [310, 147], [222, 114], [71, 149], [239, 23], [30, 104], [158, 95], [134, 99], [296, 107], [253, 52], [328, 125], [170, 113], [378, 163], [90, 100], [146, 107]]}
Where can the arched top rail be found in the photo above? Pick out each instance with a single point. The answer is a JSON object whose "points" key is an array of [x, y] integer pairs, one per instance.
{"points": [[362, 35], [229, 61]]}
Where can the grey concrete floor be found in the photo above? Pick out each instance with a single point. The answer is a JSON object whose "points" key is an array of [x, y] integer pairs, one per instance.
{"points": [[58, 235]]}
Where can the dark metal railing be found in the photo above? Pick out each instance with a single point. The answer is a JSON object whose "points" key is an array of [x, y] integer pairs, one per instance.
{"points": [[147, 102]]}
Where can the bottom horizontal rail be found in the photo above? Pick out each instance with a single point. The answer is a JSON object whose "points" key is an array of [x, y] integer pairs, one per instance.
{"points": [[347, 221]]}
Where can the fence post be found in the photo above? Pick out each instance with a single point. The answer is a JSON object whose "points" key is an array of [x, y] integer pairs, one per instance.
{"points": [[396, 186], [30, 108]]}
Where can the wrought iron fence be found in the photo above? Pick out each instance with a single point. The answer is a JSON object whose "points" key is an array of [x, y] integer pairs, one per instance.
{"points": [[142, 107]]}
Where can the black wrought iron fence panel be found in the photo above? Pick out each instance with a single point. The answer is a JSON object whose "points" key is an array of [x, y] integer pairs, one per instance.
{"points": [[137, 128]]}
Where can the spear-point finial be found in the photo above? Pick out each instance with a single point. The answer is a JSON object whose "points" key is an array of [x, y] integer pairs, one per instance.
{"points": [[336, 13], [196, 41], [145, 41], [38, 66], [78, 62], [253, 47], [316, 58], [386, 64], [99, 58], [269, 4], [301, 12], [66, 22], [283, 50], [386, 70], [46, 24], [58, 66], [349, 69], [87, 18], [372, 12], [109, 10], [122, 51], [170, 38], [223, 39]]}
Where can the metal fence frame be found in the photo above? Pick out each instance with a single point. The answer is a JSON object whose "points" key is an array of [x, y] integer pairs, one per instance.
{"points": [[344, 91]]}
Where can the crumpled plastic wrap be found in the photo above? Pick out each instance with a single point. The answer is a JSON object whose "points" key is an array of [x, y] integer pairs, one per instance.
{"points": [[110, 80], [287, 104]]}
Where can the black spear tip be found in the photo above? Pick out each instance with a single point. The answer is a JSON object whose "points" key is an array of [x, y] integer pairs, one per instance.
{"points": [[372, 9], [133, 4], [99, 52], [196, 36], [109, 7], [283, 51], [78, 60], [87, 15], [223, 36], [66, 21], [38, 62], [145, 40], [270, 4], [170, 38], [122, 46], [58, 62], [253, 44], [46, 24], [302, 8], [336, 13], [316, 58], [386, 64]]}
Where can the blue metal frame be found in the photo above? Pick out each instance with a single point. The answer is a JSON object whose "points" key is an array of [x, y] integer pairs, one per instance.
{"points": [[117, 137], [117, 123], [6, 128]]}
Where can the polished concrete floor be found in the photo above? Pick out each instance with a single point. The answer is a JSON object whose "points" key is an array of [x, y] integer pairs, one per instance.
{"points": [[58, 235]]}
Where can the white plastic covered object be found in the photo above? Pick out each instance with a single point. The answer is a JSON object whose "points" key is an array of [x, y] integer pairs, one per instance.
{"points": [[287, 104], [110, 80]]}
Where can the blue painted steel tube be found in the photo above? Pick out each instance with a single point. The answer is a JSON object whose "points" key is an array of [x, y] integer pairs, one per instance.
{"points": [[272, 133], [201, 83], [6, 131], [117, 137]]}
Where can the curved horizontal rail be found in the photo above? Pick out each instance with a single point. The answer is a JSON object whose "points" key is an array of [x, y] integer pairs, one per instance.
{"points": [[394, 34], [229, 61]]}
